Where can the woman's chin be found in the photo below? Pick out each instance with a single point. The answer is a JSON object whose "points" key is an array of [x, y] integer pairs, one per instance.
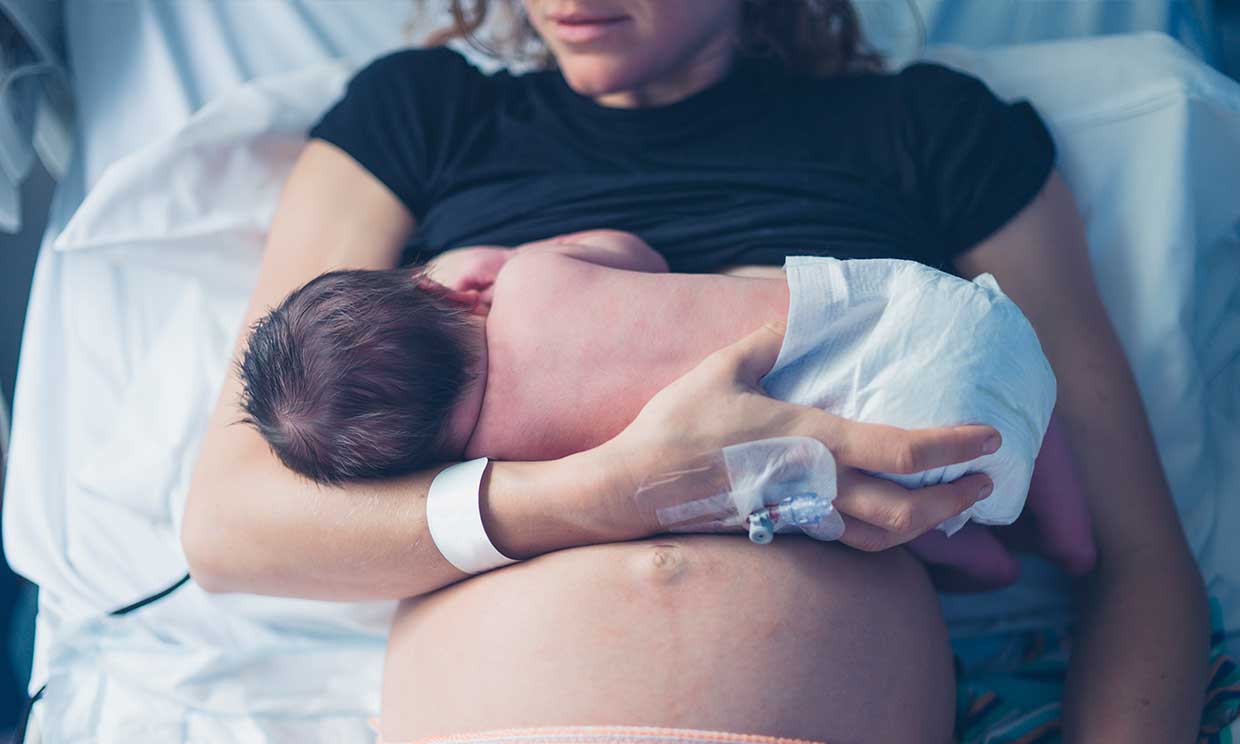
{"points": [[598, 78]]}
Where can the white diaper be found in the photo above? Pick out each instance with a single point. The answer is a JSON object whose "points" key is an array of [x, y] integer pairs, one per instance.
{"points": [[899, 343]]}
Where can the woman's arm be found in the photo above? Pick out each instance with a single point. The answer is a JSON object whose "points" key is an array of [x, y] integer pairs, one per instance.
{"points": [[252, 525], [249, 521], [1139, 665]]}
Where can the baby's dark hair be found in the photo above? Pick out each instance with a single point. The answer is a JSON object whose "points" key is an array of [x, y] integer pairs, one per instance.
{"points": [[355, 375]]}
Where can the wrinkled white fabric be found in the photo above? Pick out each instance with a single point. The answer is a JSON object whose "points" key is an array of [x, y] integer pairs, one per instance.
{"points": [[898, 343]]}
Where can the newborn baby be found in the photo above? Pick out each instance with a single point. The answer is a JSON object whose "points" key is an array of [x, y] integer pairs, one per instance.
{"points": [[531, 353], [536, 352]]}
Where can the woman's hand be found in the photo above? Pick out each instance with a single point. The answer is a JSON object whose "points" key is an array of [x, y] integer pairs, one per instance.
{"points": [[720, 403]]}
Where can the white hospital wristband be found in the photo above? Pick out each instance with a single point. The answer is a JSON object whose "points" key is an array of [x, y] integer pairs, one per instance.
{"points": [[454, 518]]}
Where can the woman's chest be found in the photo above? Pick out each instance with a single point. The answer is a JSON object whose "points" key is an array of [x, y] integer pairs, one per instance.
{"points": [[734, 197]]}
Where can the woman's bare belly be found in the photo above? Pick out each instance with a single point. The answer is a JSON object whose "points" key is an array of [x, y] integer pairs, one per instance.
{"points": [[796, 639]]}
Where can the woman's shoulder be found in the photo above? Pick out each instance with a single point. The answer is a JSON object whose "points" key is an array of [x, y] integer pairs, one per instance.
{"points": [[440, 84], [926, 107], [978, 158], [439, 67], [405, 114], [969, 159], [934, 89], [921, 85], [936, 77]]}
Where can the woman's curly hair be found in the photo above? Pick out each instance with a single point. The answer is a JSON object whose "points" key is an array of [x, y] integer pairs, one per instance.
{"points": [[809, 37]]}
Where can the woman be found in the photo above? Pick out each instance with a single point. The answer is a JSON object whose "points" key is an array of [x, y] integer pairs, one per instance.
{"points": [[723, 132]]}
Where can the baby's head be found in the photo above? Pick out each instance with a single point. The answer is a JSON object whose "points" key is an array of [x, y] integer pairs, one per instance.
{"points": [[355, 376]]}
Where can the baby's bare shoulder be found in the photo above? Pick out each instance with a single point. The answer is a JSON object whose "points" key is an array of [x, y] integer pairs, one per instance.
{"points": [[538, 278], [538, 293], [529, 271]]}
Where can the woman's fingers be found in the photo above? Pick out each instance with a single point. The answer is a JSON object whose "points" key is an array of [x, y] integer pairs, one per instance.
{"points": [[754, 355], [882, 514], [890, 449], [874, 447]]}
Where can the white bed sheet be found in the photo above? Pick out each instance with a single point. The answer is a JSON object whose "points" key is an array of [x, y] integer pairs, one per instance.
{"points": [[140, 69], [98, 349]]}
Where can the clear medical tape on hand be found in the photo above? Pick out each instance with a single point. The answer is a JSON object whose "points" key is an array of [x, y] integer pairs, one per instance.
{"points": [[763, 487]]}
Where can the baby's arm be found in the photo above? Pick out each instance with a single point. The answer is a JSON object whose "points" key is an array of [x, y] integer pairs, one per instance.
{"points": [[611, 248]]}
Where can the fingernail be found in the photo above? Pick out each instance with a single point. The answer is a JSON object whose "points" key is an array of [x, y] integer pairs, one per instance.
{"points": [[985, 491], [990, 446]]}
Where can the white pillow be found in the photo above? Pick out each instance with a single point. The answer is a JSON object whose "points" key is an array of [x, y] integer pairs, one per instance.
{"points": [[220, 175], [1149, 143]]}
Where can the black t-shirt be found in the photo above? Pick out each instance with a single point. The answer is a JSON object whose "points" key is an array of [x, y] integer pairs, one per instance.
{"points": [[921, 164]]}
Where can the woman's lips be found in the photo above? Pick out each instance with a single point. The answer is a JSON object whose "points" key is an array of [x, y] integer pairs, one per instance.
{"points": [[575, 29]]}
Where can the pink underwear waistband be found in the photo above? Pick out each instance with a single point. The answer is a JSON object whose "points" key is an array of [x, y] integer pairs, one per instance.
{"points": [[603, 735]]}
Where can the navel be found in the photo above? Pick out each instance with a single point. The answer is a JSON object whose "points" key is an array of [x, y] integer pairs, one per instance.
{"points": [[661, 563]]}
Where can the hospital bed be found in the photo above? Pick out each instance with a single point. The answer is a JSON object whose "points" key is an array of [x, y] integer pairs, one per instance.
{"points": [[189, 115]]}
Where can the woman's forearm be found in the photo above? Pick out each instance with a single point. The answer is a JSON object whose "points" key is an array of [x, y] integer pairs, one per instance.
{"points": [[1138, 670], [1138, 681], [253, 526]]}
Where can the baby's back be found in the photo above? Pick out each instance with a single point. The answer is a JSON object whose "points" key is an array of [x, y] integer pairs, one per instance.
{"points": [[576, 349]]}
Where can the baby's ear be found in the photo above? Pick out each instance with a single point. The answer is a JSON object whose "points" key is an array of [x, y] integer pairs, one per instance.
{"points": [[468, 299]]}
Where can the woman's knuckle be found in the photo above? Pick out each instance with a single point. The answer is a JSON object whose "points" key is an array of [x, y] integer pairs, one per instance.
{"points": [[901, 520], [904, 458], [966, 495], [717, 362]]}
